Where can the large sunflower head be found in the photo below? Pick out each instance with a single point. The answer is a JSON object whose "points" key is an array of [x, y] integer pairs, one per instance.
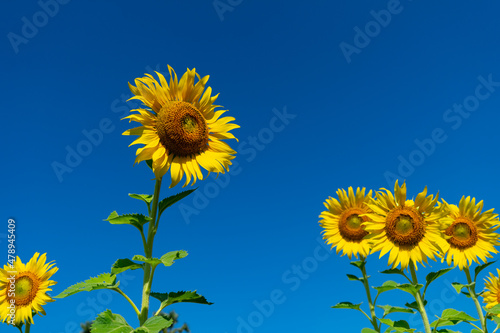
{"points": [[491, 295], [181, 130], [407, 229], [469, 233], [26, 286], [342, 222]]}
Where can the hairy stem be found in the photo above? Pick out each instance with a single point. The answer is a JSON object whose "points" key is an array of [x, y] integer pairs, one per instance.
{"points": [[420, 301], [472, 291], [373, 319]]}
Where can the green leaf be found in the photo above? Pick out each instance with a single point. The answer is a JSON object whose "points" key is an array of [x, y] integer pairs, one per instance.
{"points": [[103, 281], [409, 288], [393, 271], [368, 330], [496, 319], [107, 322], [156, 324], [434, 275], [451, 317], [168, 258], [386, 286], [167, 299], [479, 268], [137, 220], [414, 305], [458, 286], [141, 330], [391, 309], [121, 265], [150, 164], [152, 261], [347, 305], [476, 331], [167, 202], [494, 310], [353, 277], [399, 326], [147, 198], [445, 330], [359, 264]]}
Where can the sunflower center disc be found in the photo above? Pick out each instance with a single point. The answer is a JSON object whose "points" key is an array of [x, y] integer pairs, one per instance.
{"points": [[350, 227], [463, 233], [26, 288], [182, 129], [405, 226]]}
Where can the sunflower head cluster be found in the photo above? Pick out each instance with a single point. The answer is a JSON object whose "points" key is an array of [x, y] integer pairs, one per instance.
{"points": [[406, 229], [491, 295], [342, 222], [469, 233], [26, 286], [181, 130]]}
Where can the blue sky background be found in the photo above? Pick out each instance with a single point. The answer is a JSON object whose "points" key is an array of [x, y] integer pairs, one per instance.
{"points": [[354, 120]]}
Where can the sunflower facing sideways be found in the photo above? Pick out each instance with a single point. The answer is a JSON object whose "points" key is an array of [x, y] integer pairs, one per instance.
{"points": [[491, 295], [30, 292], [180, 129], [468, 232], [342, 222], [406, 229]]}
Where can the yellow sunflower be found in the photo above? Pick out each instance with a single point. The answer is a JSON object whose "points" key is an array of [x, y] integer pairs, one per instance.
{"points": [[180, 129], [468, 233], [342, 222], [407, 229], [26, 286], [491, 295]]}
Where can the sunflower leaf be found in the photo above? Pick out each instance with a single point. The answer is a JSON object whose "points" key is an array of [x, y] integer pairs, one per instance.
{"points": [[391, 309], [414, 305], [155, 324], [121, 265], [399, 326], [479, 268], [409, 288], [434, 275], [359, 264], [167, 202], [445, 330], [496, 319], [347, 305], [107, 322], [137, 220], [168, 258], [150, 164], [454, 315], [494, 310], [147, 198], [386, 286], [354, 278], [103, 281], [368, 330], [152, 261], [167, 299], [393, 271], [458, 286]]}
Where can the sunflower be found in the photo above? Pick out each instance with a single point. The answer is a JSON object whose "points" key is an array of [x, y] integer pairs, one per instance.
{"points": [[26, 286], [342, 222], [180, 129], [491, 295], [468, 233], [407, 229]]}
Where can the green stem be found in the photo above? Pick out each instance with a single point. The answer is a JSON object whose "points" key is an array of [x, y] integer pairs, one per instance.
{"points": [[420, 301], [373, 319], [148, 250], [118, 290], [472, 291], [28, 326]]}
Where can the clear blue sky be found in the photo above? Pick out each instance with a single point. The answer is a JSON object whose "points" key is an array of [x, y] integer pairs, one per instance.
{"points": [[326, 98]]}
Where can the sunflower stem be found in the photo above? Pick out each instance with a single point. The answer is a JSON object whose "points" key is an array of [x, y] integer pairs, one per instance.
{"points": [[373, 318], [148, 250], [118, 290], [472, 291], [28, 326], [420, 301]]}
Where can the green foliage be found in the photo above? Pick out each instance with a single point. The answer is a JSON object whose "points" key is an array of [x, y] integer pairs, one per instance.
{"points": [[479, 268], [359, 264], [167, 299], [107, 322], [103, 281], [386, 286], [147, 198], [399, 326], [167, 202], [368, 330], [434, 275], [121, 265], [494, 310], [391, 309], [393, 271], [409, 288], [156, 323], [347, 305], [167, 259], [414, 305], [451, 317], [137, 220]]}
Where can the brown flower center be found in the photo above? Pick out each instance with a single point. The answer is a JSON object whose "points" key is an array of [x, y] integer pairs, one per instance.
{"points": [[26, 288], [350, 224], [182, 129], [463, 233], [405, 226]]}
